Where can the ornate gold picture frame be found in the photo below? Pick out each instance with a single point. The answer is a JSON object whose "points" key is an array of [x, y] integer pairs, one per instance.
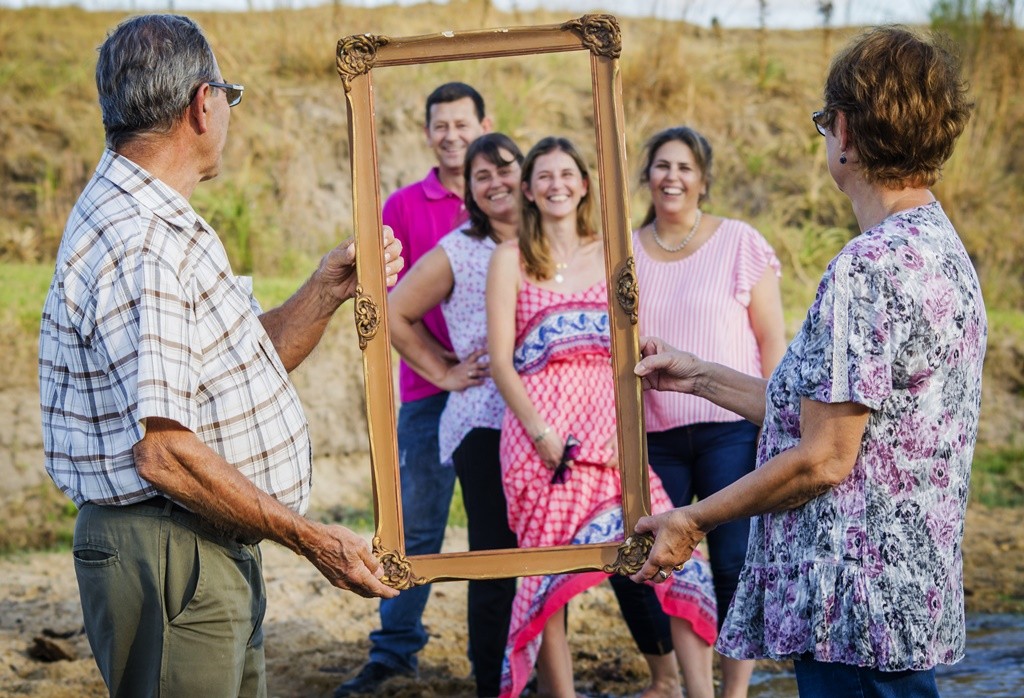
{"points": [[357, 57]]}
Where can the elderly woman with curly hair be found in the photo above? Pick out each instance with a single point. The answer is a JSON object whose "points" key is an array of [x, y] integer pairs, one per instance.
{"points": [[854, 568]]}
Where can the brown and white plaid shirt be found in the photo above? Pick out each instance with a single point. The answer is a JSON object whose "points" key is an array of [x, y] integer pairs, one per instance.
{"points": [[144, 318]]}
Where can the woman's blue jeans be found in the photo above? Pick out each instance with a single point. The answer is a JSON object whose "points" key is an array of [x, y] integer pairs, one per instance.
{"points": [[816, 679], [699, 460]]}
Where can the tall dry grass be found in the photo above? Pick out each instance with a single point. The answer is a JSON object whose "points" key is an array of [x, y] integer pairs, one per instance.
{"points": [[285, 192]]}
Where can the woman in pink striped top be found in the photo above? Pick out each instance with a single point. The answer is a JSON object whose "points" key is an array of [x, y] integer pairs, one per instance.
{"points": [[708, 285]]}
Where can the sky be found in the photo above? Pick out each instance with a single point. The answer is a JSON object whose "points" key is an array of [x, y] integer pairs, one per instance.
{"points": [[790, 14]]}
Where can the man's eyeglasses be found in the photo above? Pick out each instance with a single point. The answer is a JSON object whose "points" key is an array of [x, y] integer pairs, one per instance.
{"points": [[820, 118], [234, 92]]}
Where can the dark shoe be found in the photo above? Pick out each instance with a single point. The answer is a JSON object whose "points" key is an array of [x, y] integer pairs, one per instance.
{"points": [[369, 679]]}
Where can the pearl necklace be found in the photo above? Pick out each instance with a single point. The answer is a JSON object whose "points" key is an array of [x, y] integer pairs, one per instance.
{"points": [[686, 240]]}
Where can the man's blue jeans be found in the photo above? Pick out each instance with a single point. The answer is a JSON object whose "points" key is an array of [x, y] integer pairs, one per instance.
{"points": [[427, 488], [816, 679]]}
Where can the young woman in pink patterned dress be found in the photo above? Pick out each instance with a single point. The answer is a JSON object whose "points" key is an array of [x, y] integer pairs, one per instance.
{"points": [[547, 313]]}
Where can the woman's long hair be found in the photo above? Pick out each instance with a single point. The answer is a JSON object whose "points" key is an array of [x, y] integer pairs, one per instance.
{"points": [[533, 246], [702, 155], [489, 146]]}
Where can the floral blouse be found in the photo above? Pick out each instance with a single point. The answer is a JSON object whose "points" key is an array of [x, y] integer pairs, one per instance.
{"points": [[870, 573], [465, 313]]}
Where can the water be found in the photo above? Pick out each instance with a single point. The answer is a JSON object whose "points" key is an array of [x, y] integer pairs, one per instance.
{"points": [[994, 661], [993, 665]]}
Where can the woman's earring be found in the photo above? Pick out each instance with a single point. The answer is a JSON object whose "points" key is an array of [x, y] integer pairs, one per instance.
{"points": [[842, 159]]}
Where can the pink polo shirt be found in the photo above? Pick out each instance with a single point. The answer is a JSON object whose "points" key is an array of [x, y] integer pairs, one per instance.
{"points": [[421, 214]]}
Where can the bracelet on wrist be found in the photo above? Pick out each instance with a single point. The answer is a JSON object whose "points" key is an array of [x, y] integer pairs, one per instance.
{"points": [[540, 435]]}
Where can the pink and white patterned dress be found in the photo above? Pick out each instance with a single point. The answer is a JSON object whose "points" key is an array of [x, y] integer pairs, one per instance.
{"points": [[562, 354]]}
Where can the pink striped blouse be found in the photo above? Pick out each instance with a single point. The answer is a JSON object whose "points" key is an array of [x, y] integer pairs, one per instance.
{"points": [[699, 304]]}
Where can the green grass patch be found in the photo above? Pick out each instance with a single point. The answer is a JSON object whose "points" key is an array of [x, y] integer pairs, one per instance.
{"points": [[41, 519], [22, 294], [997, 477], [457, 512], [25, 286], [361, 518], [272, 291], [358, 519], [1006, 321]]}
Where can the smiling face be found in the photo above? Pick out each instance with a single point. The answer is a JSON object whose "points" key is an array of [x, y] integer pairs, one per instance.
{"points": [[452, 127], [676, 181], [556, 185], [494, 187]]}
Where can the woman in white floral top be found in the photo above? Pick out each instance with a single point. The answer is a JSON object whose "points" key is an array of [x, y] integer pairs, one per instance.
{"points": [[453, 275], [854, 567]]}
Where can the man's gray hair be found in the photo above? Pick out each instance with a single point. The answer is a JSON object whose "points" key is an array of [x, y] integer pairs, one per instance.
{"points": [[147, 73]]}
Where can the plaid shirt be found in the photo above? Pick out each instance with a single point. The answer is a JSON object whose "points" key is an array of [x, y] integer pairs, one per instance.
{"points": [[145, 319]]}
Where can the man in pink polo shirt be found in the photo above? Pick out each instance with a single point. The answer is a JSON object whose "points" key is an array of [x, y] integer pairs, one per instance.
{"points": [[421, 214]]}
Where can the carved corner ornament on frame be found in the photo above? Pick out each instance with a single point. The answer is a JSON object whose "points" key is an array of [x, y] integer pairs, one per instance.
{"points": [[358, 57], [599, 33]]}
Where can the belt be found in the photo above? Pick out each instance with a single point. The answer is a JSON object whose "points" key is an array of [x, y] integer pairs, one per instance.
{"points": [[197, 523]]}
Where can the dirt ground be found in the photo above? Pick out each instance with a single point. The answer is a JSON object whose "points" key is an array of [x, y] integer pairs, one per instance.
{"points": [[316, 636]]}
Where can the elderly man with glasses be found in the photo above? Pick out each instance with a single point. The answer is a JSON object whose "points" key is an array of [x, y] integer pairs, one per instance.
{"points": [[168, 414]]}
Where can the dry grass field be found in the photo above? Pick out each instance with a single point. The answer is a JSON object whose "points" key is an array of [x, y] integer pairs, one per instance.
{"points": [[286, 174]]}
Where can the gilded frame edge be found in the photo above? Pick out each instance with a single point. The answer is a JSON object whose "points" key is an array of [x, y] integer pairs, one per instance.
{"points": [[357, 56]]}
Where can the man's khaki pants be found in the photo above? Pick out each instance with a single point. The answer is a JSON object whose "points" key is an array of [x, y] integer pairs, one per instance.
{"points": [[170, 608]]}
